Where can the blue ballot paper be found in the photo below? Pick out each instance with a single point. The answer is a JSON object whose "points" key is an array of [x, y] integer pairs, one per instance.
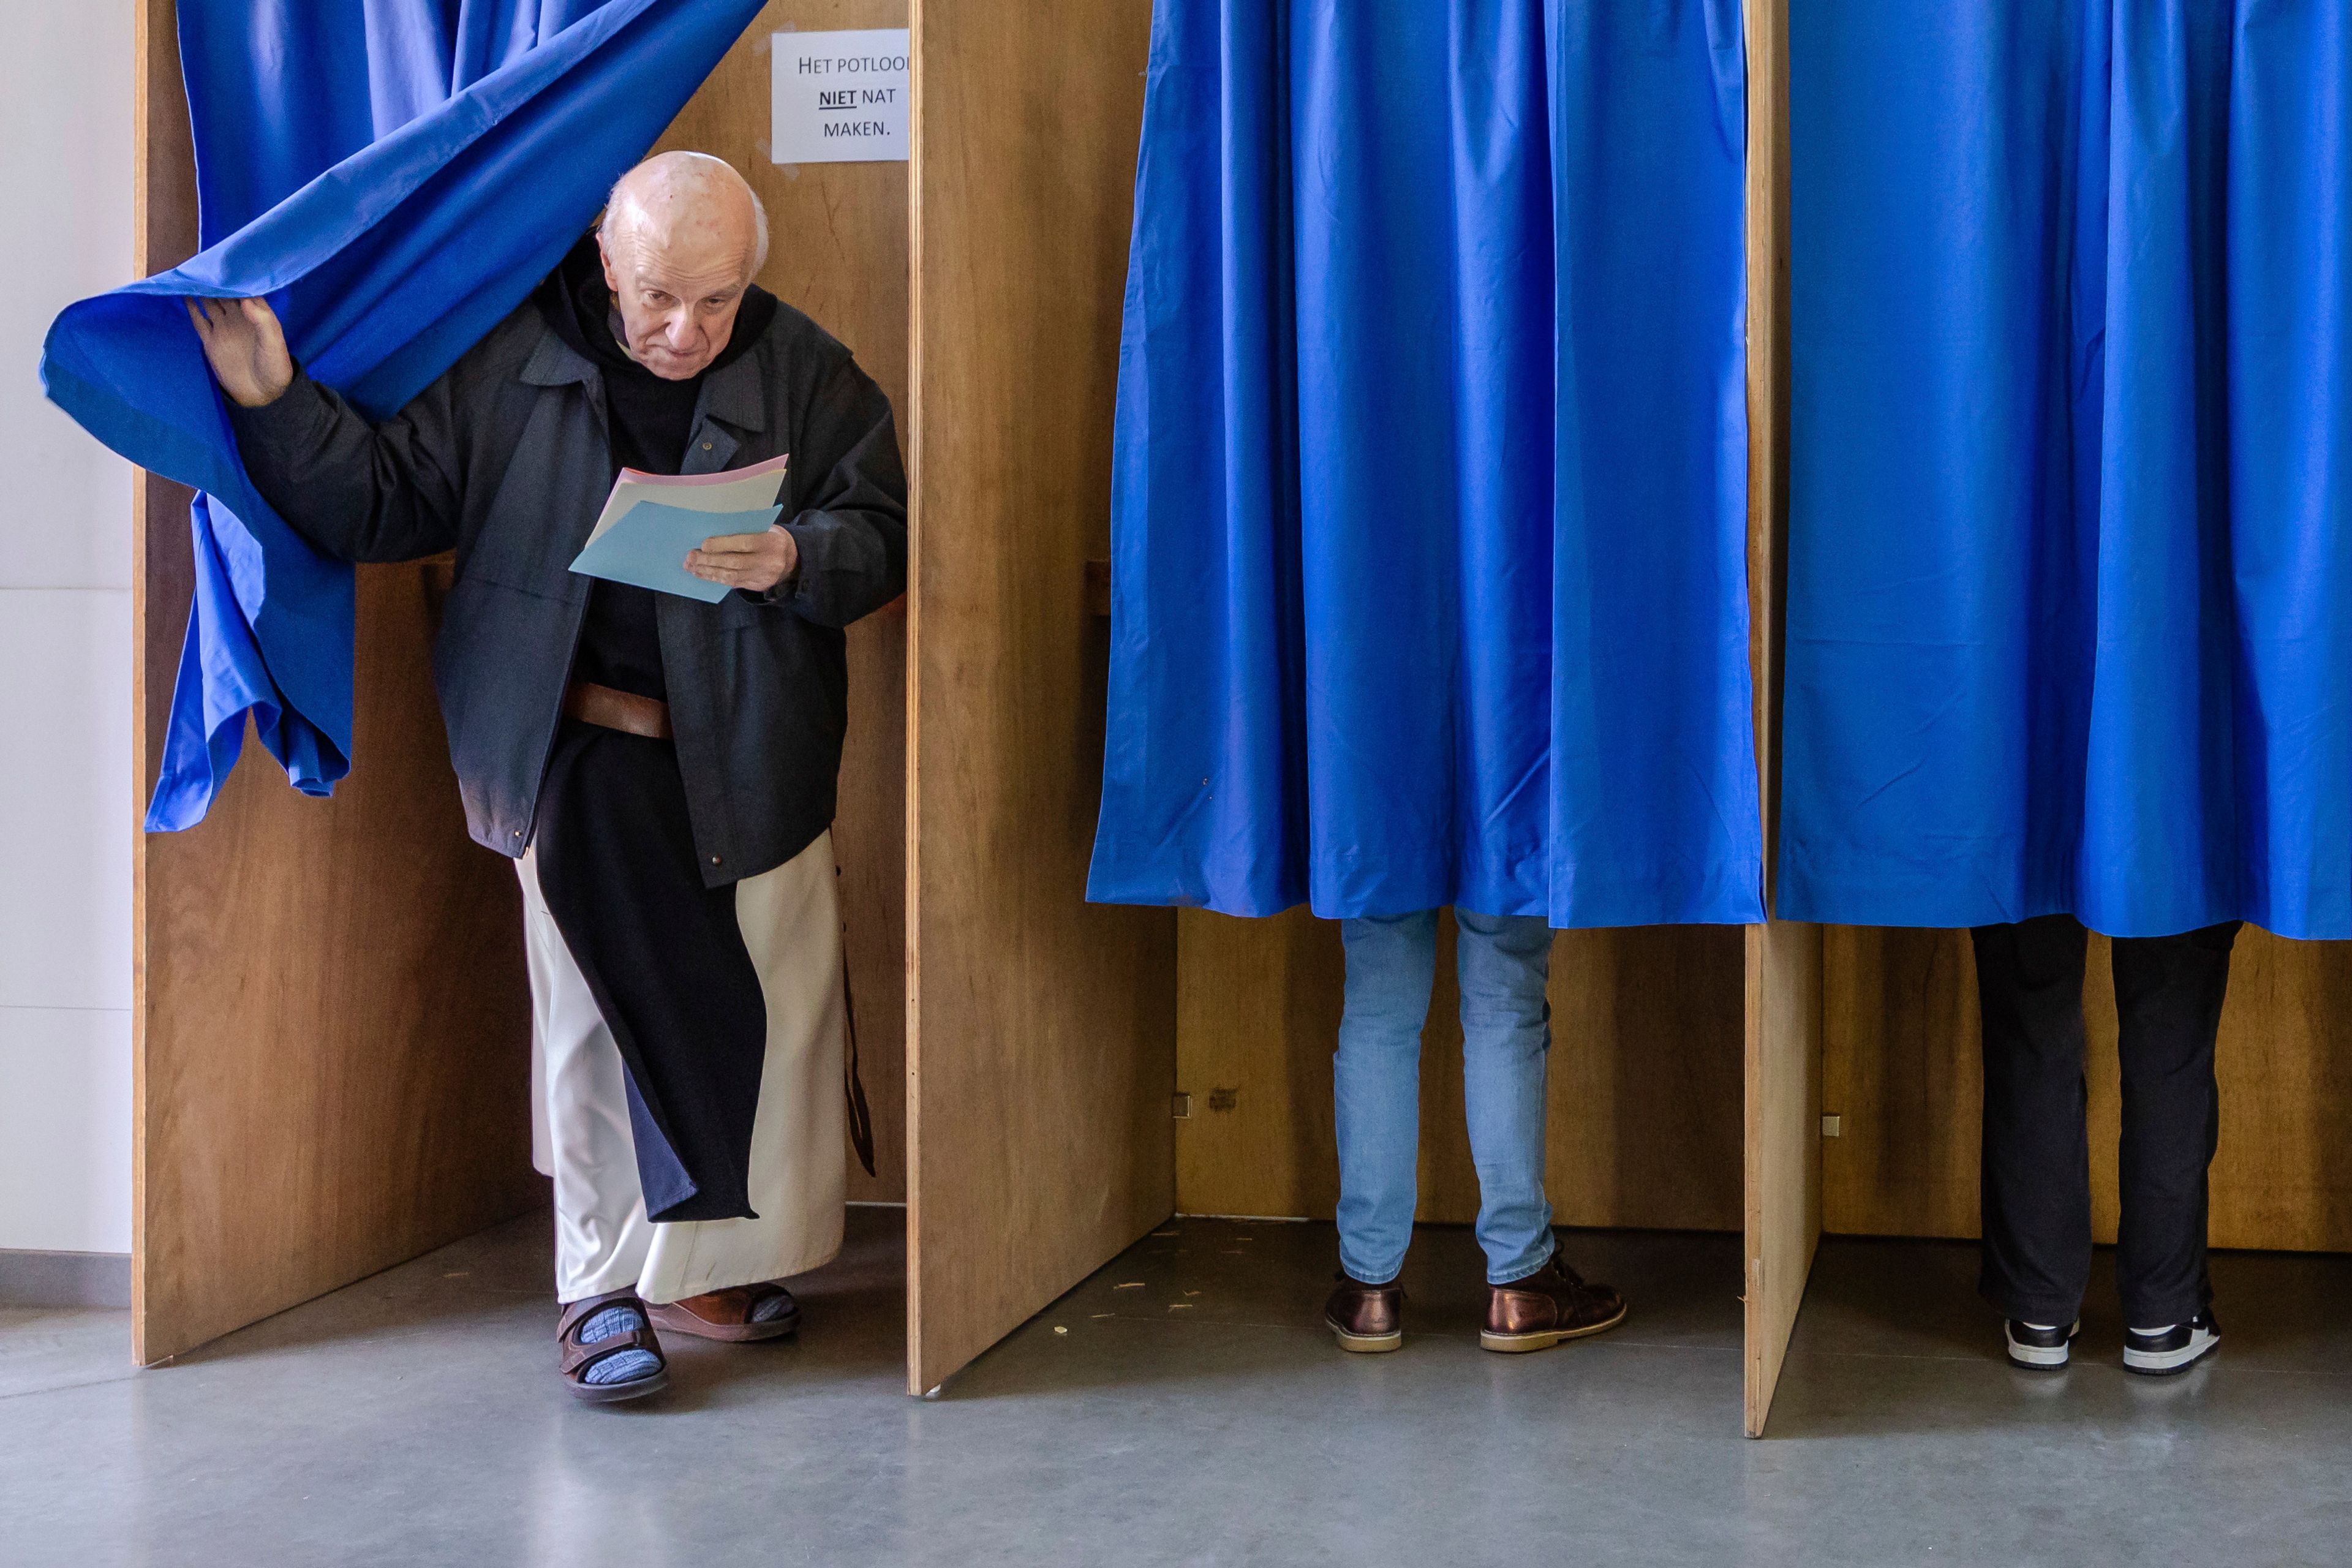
{"points": [[647, 545]]}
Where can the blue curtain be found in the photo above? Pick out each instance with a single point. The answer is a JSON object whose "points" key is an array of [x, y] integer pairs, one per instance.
{"points": [[1428, 523], [394, 175], [2070, 593]]}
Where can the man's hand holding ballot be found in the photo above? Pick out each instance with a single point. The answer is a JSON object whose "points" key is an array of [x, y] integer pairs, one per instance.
{"points": [[755, 563], [699, 535]]}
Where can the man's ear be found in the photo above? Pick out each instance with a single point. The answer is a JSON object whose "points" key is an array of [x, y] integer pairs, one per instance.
{"points": [[605, 252]]}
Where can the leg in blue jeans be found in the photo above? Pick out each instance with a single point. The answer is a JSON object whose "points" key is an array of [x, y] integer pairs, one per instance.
{"points": [[1504, 961], [1376, 1087], [1391, 964]]}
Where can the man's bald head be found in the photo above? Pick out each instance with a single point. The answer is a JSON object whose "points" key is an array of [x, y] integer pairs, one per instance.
{"points": [[683, 235]]}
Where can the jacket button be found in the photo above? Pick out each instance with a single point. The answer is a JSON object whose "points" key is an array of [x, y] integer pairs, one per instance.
{"points": [[714, 859], [706, 446]]}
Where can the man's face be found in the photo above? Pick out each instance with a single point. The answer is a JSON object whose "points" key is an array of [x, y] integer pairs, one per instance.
{"points": [[677, 293]]}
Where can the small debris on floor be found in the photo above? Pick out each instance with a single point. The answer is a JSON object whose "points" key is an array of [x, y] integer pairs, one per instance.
{"points": [[1129, 1285], [1059, 1329]]}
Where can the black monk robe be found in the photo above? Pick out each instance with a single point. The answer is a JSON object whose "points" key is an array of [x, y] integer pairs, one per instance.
{"points": [[507, 460]]}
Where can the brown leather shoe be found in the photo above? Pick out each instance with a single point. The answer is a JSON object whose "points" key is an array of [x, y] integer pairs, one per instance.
{"points": [[733, 1314], [1550, 1305], [1365, 1317]]}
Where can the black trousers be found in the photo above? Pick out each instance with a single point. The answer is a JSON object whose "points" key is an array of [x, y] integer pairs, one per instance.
{"points": [[2037, 1166]]}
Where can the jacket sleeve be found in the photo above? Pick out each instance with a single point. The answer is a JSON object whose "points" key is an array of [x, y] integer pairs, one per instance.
{"points": [[852, 527], [357, 491]]}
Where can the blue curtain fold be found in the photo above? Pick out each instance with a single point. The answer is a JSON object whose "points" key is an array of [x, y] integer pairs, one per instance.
{"points": [[1429, 492], [394, 175], [2070, 584]]}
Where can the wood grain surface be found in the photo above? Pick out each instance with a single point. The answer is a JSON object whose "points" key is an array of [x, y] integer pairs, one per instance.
{"points": [[333, 1059], [1903, 1075], [1042, 1042], [330, 1020], [1784, 1179], [1645, 1068]]}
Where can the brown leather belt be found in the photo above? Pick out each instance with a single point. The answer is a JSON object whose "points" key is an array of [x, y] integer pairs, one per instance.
{"points": [[623, 711]]}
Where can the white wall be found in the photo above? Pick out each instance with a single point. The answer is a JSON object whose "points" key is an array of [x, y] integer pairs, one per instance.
{"points": [[66, 786]]}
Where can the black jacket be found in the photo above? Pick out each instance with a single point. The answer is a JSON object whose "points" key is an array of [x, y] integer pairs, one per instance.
{"points": [[505, 461]]}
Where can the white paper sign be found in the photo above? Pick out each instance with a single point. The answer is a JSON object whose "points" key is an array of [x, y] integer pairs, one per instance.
{"points": [[841, 97]]}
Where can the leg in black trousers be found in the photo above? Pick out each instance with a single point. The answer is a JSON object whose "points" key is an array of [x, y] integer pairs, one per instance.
{"points": [[2037, 1162], [2169, 993], [2037, 1185]]}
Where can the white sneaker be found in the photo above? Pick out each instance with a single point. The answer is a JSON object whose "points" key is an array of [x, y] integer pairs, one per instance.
{"points": [[2040, 1348], [2174, 1348]]}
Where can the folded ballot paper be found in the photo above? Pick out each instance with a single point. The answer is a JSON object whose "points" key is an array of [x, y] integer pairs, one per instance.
{"points": [[651, 521]]}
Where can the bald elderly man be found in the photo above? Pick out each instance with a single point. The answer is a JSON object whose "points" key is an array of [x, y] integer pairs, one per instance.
{"points": [[662, 770]]}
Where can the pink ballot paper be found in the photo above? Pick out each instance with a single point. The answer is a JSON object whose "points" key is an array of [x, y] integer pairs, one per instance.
{"points": [[741, 500]]}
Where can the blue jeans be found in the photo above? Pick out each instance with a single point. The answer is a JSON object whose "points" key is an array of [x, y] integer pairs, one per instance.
{"points": [[1376, 1079]]}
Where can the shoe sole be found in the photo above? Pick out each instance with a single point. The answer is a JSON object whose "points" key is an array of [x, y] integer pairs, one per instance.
{"points": [[2169, 1364], [1364, 1345], [2043, 1358], [1520, 1344], [676, 1322], [618, 1393]]}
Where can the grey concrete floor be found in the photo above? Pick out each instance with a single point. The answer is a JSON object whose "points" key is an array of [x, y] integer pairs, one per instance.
{"points": [[1183, 1407]]}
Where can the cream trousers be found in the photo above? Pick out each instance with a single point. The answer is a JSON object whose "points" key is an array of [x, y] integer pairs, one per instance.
{"points": [[579, 1113]]}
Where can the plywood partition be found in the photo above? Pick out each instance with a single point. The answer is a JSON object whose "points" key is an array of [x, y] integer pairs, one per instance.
{"points": [[1644, 1123], [1784, 961], [1904, 1075], [1686, 1063], [333, 1026], [1041, 1039], [838, 251], [330, 1012]]}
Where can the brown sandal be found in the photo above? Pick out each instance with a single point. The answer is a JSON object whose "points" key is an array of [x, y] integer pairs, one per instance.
{"points": [[578, 1358], [727, 1314]]}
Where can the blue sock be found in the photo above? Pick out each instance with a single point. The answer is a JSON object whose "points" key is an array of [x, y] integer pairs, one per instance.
{"points": [[623, 1366]]}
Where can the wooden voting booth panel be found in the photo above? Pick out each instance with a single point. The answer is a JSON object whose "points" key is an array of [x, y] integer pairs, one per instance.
{"points": [[1686, 1068], [1901, 1077], [334, 1023], [1644, 1122], [1904, 1075], [331, 1016], [1041, 1044], [1782, 1089]]}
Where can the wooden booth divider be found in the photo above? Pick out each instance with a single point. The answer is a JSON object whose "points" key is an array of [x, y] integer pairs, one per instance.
{"points": [[1902, 1076], [1783, 1089], [1041, 1028], [330, 1019], [331, 1065], [1688, 1095]]}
